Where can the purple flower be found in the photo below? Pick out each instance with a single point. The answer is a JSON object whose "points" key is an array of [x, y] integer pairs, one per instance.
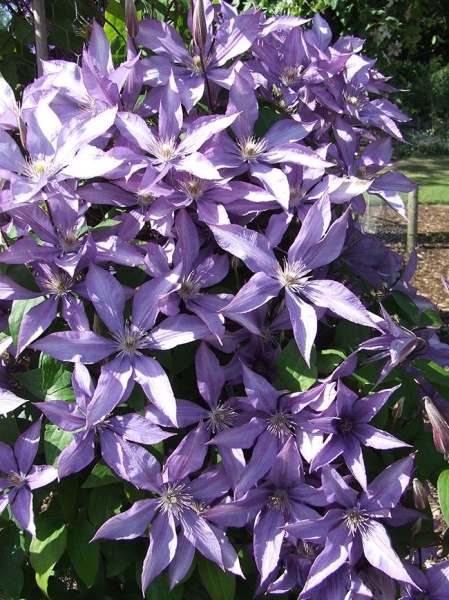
{"points": [[347, 423], [353, 530], [316, 245], [90, 417], [129, 339], [20, 477], [178, 503]]}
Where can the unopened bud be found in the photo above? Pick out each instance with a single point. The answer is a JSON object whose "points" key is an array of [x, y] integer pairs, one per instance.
{"points": [[416, 527], [131, 20], [199, 25], [419, 494], [440, 427], [398, 408]]}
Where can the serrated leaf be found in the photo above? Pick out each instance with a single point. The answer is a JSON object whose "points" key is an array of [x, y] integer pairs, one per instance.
{"points": [[292, 371], [18, 311], [84, 555], [219, 584], [55, 440], [443, 493], [101, 475], [47, 548]]}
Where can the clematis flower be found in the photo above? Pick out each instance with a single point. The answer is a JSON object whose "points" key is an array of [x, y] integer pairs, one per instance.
{"points": [[20, 477], [167, 149], [90, 417], [400, 345], [282, 496], [316, 245], [54, 153], [179, 503], [347, 423], [129, 339], [353, 529], [195, 67], [433, 582]]}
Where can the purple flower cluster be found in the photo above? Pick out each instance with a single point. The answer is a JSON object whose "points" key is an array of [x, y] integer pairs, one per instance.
{"points": [[176, 226]]}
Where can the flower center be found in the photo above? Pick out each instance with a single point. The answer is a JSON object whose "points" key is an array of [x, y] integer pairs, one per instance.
{"points": [[355, 518], [145, 199], [58, 283], [194, 188], [281, 425], [165, 150], [14, 479], [251, 148], [291, 75], [296, 195], [220, 418], [279, 500], [69, 240], [195, 64], [173, 500], [291, 275], [191, 286], [34, 169], [357, 102], [344, 425], [130, 340]]}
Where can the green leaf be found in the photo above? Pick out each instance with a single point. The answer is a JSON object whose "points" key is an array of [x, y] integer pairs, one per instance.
{"points": [[115, 29], [406, 304], [18, 311], [429, 318], [292, 371], [428, 461], [84, 555], [443, 493], [32, 382], [219, 584], [55, 440], [9, 432], [52, 370], [120, 555], [101, 475], [104, 503], [328, 360], [433, 373], [47, 548], [11, 557], [159, 589]]}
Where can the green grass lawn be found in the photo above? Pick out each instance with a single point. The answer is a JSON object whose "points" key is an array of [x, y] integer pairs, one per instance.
{"points": [[432, 174]]}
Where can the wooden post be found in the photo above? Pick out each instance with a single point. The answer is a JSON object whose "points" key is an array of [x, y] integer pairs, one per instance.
{"points": [[40, 33], [412, 214]]}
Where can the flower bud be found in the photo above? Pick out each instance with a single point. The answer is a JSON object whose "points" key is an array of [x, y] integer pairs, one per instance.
{"points": [[440, 427], [419, 494], [416, 527], [398, 408], [131, 21], [199, 25]]}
